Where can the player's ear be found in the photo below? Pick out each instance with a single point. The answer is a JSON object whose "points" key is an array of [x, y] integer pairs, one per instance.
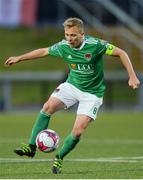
{"points": [[82, 34]]}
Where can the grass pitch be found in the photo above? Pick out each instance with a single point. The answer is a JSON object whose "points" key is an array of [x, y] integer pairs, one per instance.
{"points": [[110, 148]]}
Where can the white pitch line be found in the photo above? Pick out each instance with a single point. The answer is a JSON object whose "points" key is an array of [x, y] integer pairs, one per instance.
{"points": [[106, 159]]}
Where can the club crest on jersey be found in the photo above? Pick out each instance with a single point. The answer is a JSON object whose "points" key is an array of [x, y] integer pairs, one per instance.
{"points": [[88, 56]]}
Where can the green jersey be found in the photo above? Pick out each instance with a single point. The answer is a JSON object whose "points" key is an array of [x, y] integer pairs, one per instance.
{"points": [[85, 63]]}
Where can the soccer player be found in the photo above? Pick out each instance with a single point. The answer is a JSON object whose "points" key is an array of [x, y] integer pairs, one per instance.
{"points": [[84, 84]]}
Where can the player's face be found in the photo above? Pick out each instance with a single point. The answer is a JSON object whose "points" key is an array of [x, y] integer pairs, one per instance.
{"points": [[74, 36]]}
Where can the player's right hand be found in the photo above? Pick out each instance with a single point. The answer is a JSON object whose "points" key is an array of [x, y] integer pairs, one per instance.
{"points": [[12, 60]]}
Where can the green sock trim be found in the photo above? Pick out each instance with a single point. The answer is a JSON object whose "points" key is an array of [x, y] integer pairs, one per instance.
{"points": [[45, 113], [69, 144]]}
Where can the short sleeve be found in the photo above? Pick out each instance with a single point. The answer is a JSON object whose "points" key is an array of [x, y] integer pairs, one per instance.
{"points": [[54, 50], [101, 47]]}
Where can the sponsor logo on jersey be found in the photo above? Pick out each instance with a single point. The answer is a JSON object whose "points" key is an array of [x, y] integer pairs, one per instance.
{"points": [[82, 68], [88, 56], [73, 66]]}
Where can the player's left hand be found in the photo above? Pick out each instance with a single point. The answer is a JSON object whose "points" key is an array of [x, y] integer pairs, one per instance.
{"points": [[134, 82]]}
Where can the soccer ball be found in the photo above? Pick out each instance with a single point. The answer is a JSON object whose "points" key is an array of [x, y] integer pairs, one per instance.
{"points": [[47, 140]]}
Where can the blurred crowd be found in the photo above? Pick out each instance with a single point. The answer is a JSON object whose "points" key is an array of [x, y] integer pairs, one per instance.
{"points": [[43, 12]]}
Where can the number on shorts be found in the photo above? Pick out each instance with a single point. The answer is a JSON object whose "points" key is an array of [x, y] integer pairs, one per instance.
{"points": [[94, 110]]}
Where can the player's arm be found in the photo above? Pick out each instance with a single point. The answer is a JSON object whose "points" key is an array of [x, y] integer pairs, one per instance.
{"points": [[27, 56], [115, 51]]}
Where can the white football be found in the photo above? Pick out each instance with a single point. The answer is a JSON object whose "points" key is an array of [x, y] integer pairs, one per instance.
{"points": [[47, 140]]}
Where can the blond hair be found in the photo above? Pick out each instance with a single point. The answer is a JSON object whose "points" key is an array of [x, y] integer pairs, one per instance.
{"points": [[70, 22]]}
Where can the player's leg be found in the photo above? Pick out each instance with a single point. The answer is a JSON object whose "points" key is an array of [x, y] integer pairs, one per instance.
{"points": [[41, 123], [81, 123], [43, 119], [87, 111], [60, 98]]}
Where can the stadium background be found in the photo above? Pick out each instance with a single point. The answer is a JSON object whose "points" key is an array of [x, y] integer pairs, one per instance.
{"points": [[112, 147]]}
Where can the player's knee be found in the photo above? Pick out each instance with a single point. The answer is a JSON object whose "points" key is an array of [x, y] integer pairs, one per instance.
{"points": [[48, 108]]}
